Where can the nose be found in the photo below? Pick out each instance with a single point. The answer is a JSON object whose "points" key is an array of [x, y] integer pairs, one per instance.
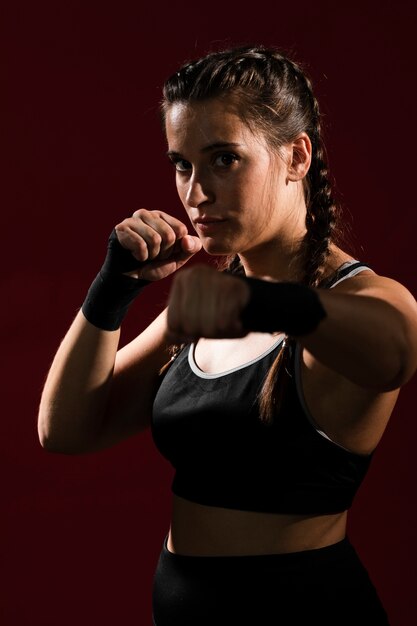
{"points": [[198, 190]]}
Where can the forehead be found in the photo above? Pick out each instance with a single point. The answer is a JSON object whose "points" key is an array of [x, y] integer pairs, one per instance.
{"points": [[204, 122]]}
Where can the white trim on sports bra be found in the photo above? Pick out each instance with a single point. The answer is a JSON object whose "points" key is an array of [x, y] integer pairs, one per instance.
{"points": [[198, 372], [355, 271]]}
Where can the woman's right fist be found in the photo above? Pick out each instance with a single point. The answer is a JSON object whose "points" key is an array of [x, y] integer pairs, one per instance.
{"points": [[159, 242]]}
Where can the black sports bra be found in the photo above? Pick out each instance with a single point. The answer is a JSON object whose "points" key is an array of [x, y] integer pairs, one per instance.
{"points": [[208, 427]]}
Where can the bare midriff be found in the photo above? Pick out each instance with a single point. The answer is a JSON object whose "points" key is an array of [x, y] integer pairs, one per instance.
{"points": [[199, 530]]}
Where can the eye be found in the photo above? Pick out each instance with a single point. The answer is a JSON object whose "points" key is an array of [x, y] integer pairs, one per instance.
{"points": [[181, 165], [225, 159]]}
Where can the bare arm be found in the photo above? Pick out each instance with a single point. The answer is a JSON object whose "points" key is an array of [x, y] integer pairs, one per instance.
{"points": [[369, 334], [95, 395], [77, 386]]}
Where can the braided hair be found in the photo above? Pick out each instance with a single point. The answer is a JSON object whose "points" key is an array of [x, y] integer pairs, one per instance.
{"points": [[273, 95]]}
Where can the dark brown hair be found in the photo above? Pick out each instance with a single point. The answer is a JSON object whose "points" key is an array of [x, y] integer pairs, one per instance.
{"points": [[274, 96]]}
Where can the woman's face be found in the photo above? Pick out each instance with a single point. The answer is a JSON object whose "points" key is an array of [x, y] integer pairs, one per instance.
{"points": [[232, 186]]}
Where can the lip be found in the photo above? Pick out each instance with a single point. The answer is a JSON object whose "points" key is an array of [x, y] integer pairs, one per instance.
{"points": [[208, 224], [209, 220]]}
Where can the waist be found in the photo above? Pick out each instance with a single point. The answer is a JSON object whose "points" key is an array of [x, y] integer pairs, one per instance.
{"points": [[200, 530]]}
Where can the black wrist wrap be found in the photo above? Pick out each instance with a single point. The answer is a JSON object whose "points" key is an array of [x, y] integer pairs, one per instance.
{"points": [[108, 300], [292, 308], [111, 293]]}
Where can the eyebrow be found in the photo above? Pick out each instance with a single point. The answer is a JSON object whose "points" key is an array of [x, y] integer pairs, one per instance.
{"points": [[212, 146]]}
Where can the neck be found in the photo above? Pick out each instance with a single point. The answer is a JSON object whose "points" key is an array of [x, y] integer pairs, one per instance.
{"points": [[281, 257], [276, 261]]}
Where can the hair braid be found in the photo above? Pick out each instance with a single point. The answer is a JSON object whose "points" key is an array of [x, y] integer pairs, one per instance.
{"points": [[321, 208], [322, 211], [320, 222]]}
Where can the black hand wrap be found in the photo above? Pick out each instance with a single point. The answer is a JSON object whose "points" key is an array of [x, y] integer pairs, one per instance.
{"points": [[111, 293], [292, 308]]}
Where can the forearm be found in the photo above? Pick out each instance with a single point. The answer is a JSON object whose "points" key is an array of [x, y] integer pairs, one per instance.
{"points": [[76, 389], [365, 339], [367, 333], [74, 399]]}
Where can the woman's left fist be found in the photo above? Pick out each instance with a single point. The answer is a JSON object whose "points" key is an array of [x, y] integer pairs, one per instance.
{"points": [[205, 303]]}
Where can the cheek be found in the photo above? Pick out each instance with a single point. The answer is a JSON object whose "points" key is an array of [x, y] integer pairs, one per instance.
{"points": [[182, 193], [250, 184], [252, 199]]}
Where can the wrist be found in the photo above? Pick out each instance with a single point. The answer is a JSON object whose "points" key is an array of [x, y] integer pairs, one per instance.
{"points": [[288, 307], [109, 298]]}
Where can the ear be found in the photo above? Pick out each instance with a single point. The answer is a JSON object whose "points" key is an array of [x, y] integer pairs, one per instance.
{"points": [[299, 157]]}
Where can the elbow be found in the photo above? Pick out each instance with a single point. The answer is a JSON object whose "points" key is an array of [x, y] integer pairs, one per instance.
{"points": [[395, 382], [51, 445], [45, 436], [402, 363], [406, 371], [403, 351], [407, 355], [57, 433], [48, 443], [44, 440], [44, 426], [54, 447], [55, 444]]}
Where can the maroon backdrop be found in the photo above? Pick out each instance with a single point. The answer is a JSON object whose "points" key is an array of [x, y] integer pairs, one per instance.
{"points": [[81, 150]]}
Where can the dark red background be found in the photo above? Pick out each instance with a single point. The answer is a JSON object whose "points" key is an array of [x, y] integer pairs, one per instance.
{"points": [[81, 150]]}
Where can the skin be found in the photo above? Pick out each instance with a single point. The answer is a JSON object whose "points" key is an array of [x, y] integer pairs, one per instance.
{"points": [[353, 364]]}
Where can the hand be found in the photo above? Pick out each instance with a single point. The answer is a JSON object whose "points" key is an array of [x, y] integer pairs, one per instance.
{"points": [[159, 242], [205, 303]]}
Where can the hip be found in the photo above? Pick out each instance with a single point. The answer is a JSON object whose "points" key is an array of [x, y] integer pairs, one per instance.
{"points": [[327, 585]]}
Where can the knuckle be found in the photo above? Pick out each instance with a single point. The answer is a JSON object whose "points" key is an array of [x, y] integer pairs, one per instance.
{"points": [[169, 237], [154, 245], [155, 239], [122, 227], [141, 250], [182, 229], [140, 213]]}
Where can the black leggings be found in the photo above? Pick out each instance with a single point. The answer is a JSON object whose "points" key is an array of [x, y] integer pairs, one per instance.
{"points": [[327, 586]]}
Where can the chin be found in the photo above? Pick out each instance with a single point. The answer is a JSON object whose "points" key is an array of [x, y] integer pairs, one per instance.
{"points": [[217, 248]]}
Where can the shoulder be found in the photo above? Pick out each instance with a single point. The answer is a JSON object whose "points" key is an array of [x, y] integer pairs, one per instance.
{"points": [[378, 304], [359, 278], [369, 283]]}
